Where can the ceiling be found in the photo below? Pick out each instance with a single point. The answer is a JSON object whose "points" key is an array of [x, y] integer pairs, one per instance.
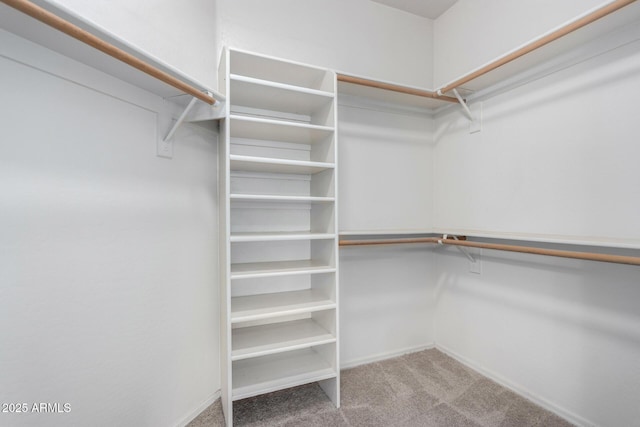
{"points": [[426, 8]]}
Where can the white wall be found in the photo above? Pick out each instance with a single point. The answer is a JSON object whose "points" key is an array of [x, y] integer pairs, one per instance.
{"points": [[565, 333], [385, 177], [108, 259], [386, 169], [472, 33], [180, 34], [354, 36], [386, 301], [556, 159]]}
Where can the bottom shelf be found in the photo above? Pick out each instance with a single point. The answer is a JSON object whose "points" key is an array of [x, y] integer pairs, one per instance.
{"points": [[260, 375]]}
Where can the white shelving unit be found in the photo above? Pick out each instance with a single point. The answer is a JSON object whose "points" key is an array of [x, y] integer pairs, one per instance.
{"points": [[279, 228]]}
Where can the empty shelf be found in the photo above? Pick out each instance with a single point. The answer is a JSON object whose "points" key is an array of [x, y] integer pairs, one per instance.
{"points": [[265, 306], [274, 198], [276, 130], [262, 67], [274, 338], [279, 236], [252, 377], [265, 164], [267, 95], [279, 268]]}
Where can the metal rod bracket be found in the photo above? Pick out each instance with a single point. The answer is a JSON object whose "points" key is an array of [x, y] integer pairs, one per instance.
{"points": [[178, 122], [461, 249], [464, 251], [464, 105]]}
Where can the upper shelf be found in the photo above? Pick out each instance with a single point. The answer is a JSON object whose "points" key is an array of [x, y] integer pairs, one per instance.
{"points": [[31, 29], [559, 52], [544, 54], [268, 95], [285, 72]]}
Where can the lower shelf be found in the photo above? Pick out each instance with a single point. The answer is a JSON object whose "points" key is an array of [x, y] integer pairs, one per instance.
{"points": [[252, 377], [257, 341]]}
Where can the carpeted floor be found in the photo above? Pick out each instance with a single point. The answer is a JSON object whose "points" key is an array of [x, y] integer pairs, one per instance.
{"points": [[421, 389]]}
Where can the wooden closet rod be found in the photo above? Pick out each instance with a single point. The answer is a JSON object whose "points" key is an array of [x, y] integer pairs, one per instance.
{"points": [[78, 33], [395, 88], [589, 256], [575, 25]]}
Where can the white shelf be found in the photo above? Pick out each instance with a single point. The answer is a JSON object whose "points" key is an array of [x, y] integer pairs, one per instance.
{"points": [[256, 341], [266, 306], [270, 165], [275, 198], [267, 95], [252, 377], [386, 232], [279, 236], [273, 69], [277, 130], [279, 268]]}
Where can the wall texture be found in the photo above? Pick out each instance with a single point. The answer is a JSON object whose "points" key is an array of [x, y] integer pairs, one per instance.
{"points": [[386, 301], [354, 36], [108, 253], [386, 182], [564, 333], [181, 34], [472, 33], [555, 158], [386, 293]]}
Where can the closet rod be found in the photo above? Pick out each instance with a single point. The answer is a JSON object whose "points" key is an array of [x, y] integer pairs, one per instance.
{"points": [[78, 33], [589, 256], [562, 31], [395, 88]]}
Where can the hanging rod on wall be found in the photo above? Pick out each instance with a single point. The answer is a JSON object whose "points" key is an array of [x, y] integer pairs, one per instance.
{"points": [[539, 42], [86, 37], [589, 256], [395, 88]]}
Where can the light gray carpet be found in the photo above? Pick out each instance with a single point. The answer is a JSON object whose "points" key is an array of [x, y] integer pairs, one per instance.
{"points": [[421, 389]]}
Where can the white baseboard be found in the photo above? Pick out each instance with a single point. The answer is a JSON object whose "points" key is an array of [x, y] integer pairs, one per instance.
{"points": [[204, 405], [540, 401], [383, 356]]}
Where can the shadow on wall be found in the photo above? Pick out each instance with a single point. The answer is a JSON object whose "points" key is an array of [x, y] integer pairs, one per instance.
{"points": [[619, 67], [600, 297]]}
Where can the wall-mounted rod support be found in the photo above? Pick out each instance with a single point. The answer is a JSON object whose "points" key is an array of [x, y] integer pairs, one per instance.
{"points": [[178, 122], [78, 33], [588, 256], [539, 42], [463, 250], [464, 104], [392, 87]]}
